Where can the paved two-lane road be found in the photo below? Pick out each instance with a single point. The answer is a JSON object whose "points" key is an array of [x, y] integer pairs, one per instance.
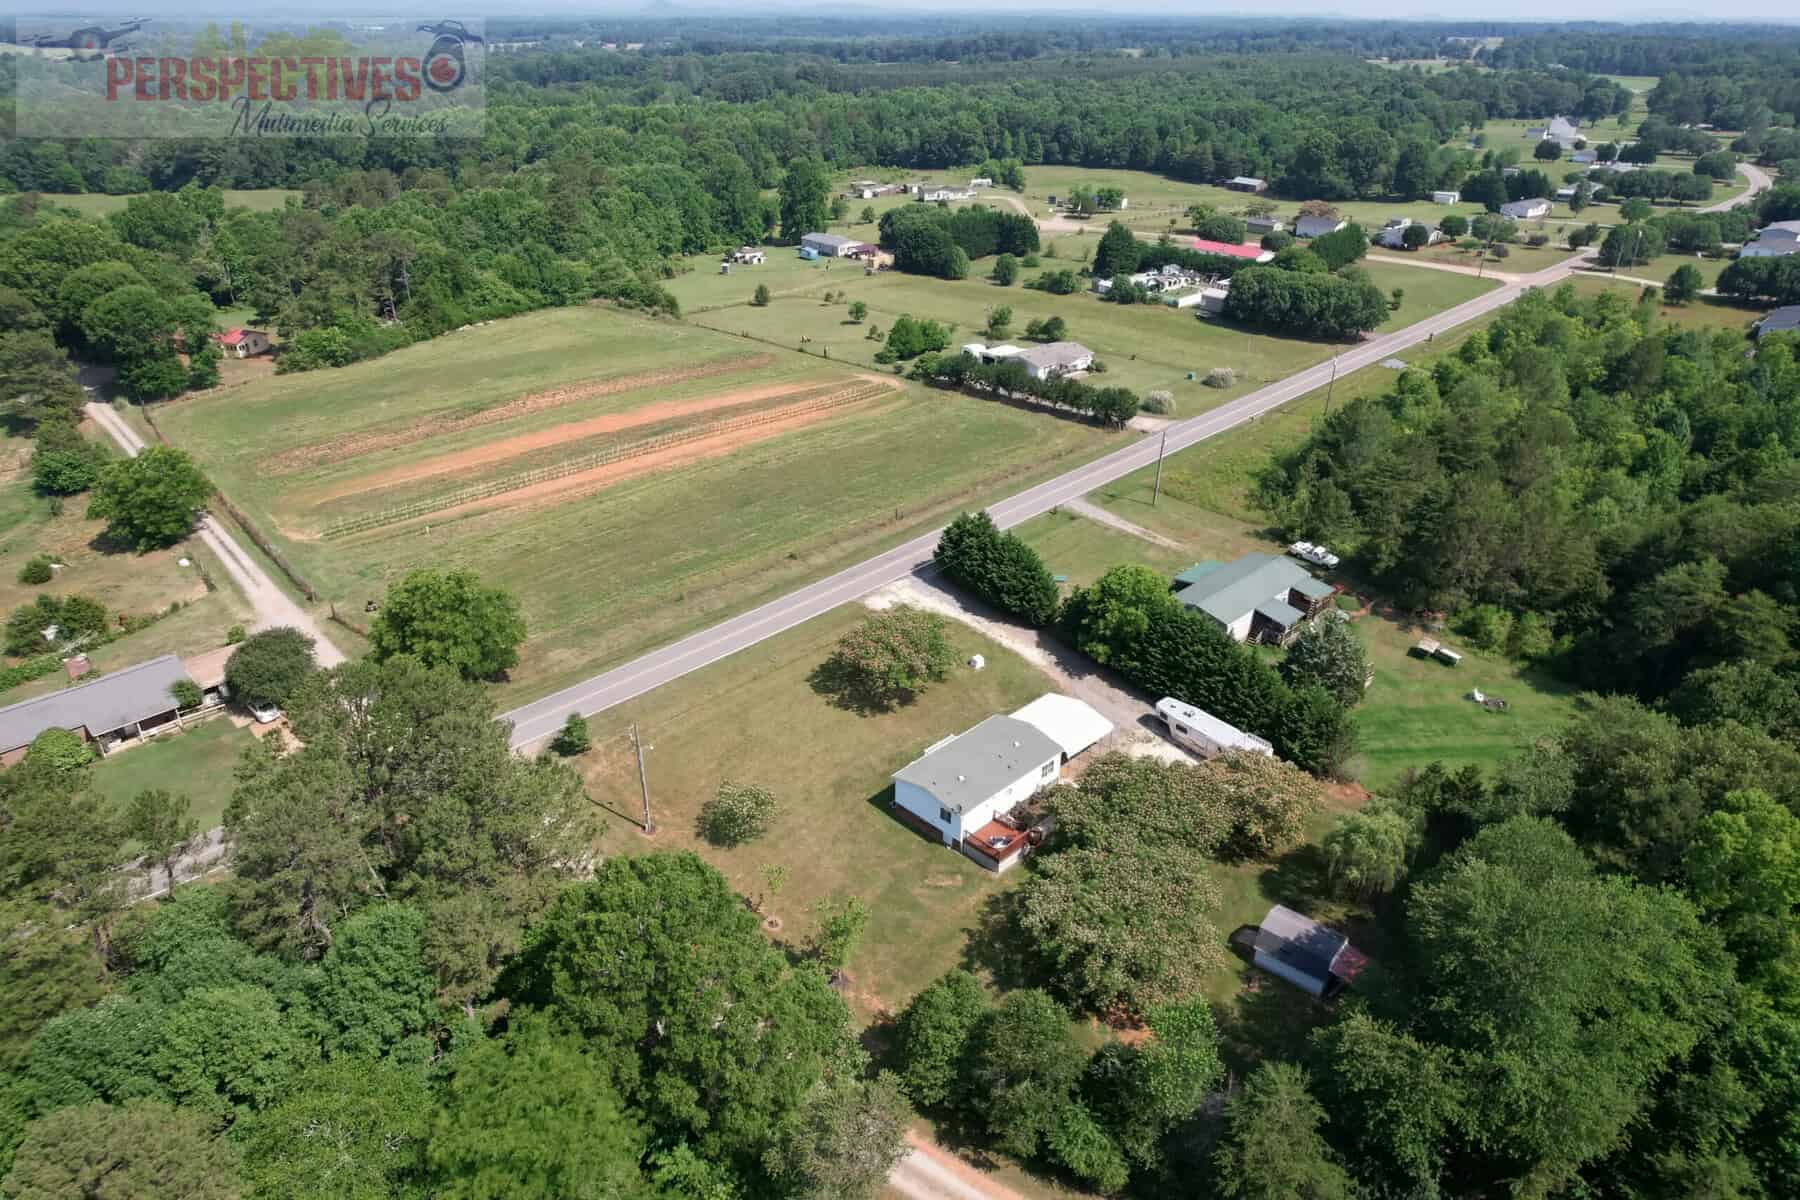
{"points": [[539, 719], [1759, 183]]}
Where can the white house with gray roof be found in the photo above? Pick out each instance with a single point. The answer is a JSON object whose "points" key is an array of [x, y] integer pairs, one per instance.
{"points": [[105, 711], [830, 245], [1056, 358], [960, 785], [1779, 239], [1257, 598]]}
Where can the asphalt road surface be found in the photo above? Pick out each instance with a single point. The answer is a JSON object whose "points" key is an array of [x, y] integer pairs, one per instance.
{"points": [[271, 605], [539, 719], [1759, 183]]}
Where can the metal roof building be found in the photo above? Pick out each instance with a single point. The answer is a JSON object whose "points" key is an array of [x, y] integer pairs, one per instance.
{"points": [[1305, 953], [964, 771], [1266, 585], [102, 706], [1782, 320], [1066, 721]]}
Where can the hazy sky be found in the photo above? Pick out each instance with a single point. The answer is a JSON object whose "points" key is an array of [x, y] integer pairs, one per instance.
{"points": [[1530, 10]]}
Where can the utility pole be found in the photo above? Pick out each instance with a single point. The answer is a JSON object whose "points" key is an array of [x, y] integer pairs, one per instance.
{"points": [[1331, 386], [643, 779], [1156, 492]]}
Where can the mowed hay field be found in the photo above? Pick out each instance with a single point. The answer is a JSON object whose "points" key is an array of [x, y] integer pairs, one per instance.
{"points": [[629, 479], [1144, 346]]}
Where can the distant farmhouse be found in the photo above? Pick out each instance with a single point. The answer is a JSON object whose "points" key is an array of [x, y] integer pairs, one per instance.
{"points": [[829, 245], [1312, 227], [1782, 320], [1257, 598], [1526, 210], [1393, 234], [1247, 183], [243, 343], [1776, 240], [1560, 130]]}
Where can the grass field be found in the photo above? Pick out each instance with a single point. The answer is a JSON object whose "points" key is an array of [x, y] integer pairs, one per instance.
{"points": [[1704, 312], [612, 560], [124, 581], [743, 719], [197, 763], [95, 204], [1145, 346]]}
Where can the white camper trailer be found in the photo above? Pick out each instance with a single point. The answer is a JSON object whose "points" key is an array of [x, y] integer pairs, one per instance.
{"points": [[1206, 735]]}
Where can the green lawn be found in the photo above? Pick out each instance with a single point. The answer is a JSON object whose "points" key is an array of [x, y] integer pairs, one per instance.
{"points": [[743, 719], [95, 204], [1663, 266], [197, 763], [1144, 347], [622, 569], [121, 579], [1704, 312]]}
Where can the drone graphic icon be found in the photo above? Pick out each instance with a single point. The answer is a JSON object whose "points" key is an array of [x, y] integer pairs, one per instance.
{"points": [[445, 68]]}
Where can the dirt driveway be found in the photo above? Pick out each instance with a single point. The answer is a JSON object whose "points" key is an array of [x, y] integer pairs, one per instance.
{"points": [[1066, 670]]}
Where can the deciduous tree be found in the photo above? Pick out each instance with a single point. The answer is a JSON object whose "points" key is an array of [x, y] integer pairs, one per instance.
{"points": [[449, 618], [269, 666], [144, 1148], [150, 500]]}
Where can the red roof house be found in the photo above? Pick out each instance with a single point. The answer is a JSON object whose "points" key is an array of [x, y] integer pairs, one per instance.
{"points": [[243, 343], [1233, 250]]}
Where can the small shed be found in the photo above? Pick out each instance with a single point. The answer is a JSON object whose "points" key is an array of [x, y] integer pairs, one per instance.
{"points": [[1446, 197], [1068, 722], [1312, 957]]}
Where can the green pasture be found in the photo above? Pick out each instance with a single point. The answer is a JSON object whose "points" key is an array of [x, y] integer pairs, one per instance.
{"points": [[607, 575], [1145, 346], [98, 204]]}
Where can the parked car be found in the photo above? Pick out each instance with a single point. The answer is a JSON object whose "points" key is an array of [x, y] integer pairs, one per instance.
{"points": [[1317, 555], [265, 713]]}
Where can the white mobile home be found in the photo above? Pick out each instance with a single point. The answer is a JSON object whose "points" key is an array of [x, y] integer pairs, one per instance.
{"points": [[962, 786]]}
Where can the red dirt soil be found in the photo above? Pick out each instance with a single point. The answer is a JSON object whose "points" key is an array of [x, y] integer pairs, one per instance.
{"points": [[354, 445], [572, 487], [493, 452]]}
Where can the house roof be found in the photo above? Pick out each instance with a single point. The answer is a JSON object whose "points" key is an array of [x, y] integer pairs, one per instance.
{"points": [[101, 705], [1780, 321], [973, 766], [1066, 721], [1056, 354], [834, 240], [1524, 208], [1253, 582], [232, 337], [1315, 226], [1249, 179], [207, 669], [1280, 612], [1229, 249], [1300, 942], [1220, 733], [1779, 229]]}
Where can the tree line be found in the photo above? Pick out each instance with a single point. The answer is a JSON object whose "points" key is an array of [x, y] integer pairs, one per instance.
{"points": [[1614, 486]]}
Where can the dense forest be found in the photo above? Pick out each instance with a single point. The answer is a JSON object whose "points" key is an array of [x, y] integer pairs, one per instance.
{"points": [[1584, 484]]}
